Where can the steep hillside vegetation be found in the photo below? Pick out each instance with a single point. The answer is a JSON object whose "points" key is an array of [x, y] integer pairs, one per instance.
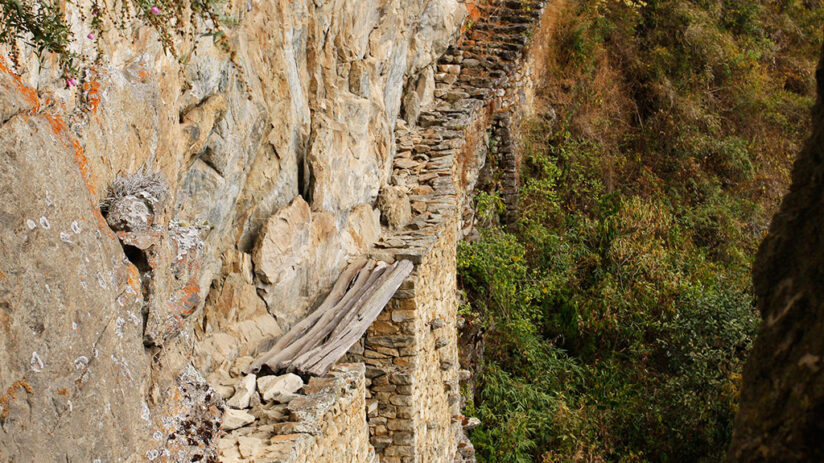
{"points": [[618, 310]]}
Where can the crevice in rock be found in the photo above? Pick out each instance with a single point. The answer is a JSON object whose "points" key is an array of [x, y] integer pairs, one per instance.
{"points": [[139, 259], [305, 179], [206, 157]]}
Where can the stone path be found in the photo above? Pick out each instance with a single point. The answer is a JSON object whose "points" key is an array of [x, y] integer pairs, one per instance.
{"points": [[410, 383]]}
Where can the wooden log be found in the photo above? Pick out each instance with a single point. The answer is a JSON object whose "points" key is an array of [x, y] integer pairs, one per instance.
{"points": [[351, 307], [320, 359], [320, 330], [297, 346], [338, 291]]}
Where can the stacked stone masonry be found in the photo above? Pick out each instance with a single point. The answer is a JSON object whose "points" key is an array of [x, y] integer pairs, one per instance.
{"points": [[401, 402], [410, 352], [325, 424], [505, 152]]}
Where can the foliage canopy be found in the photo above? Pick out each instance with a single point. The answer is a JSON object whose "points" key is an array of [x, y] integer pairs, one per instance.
{"points": [[620, 310]]}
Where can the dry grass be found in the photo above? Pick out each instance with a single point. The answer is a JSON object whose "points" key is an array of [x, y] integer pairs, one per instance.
{"points": [[145, 184]]}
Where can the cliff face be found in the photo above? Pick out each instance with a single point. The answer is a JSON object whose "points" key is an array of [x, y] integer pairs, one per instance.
{"points": [[112, 323], [781, 417]]}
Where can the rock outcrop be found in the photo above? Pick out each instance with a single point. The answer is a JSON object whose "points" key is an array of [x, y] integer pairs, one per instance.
{"points": [[167, 220], [99, 320], [781, 416]]}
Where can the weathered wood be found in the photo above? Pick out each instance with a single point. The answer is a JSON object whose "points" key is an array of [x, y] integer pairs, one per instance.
{"points": [[313, 345], [338, 291], [324, 356], [326, 323], [276, 361], [351, 307]]}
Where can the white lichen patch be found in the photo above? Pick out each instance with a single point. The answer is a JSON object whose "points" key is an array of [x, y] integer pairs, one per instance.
{"points": [[36, 363], [81, 362], [187, 239], [76, 228], [134, 318], [101, 281], [65, 237], [31, 224], [118, 326], [44, 222], [124, 366]]}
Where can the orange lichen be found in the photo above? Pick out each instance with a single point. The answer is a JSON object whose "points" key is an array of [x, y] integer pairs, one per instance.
{"points": [[29, 93], [189, 297], [133, 279], [60, 128], [4, 399], [92, 89], [473, 13], [63, 391], [144, 75], [57, 123]]}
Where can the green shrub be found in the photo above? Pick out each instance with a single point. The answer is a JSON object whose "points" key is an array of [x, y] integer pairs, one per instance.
{"points": [[620, 312], [42, 25]]}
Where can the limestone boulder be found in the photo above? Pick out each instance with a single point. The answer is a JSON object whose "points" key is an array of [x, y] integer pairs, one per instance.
{"points": [[363, 229], [278, 388], [234, 419], [244, 389], [298, 256]]}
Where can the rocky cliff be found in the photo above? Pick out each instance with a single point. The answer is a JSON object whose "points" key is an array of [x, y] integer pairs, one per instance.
{"points": [[290, 146], [170, 217], [781, 417]]}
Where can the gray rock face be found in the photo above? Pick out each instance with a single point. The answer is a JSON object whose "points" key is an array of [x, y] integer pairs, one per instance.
{"points": [[72, 366], [299, 252], [101, 317], [781, 416]]}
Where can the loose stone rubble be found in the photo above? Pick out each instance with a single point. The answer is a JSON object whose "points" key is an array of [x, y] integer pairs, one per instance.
{"points": [[321, 421]]}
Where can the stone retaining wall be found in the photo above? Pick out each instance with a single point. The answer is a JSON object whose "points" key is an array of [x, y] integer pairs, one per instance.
{"points": [[327, 425], [412, 400], [411, 350]]}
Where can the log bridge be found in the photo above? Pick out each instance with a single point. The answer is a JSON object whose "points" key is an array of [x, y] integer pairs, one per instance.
{"points": [[318, 341]]}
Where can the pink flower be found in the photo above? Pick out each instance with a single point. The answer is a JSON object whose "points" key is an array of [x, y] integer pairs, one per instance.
{"points": [[94, 12], [71, 82], [155, 10], [90, 36]]}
